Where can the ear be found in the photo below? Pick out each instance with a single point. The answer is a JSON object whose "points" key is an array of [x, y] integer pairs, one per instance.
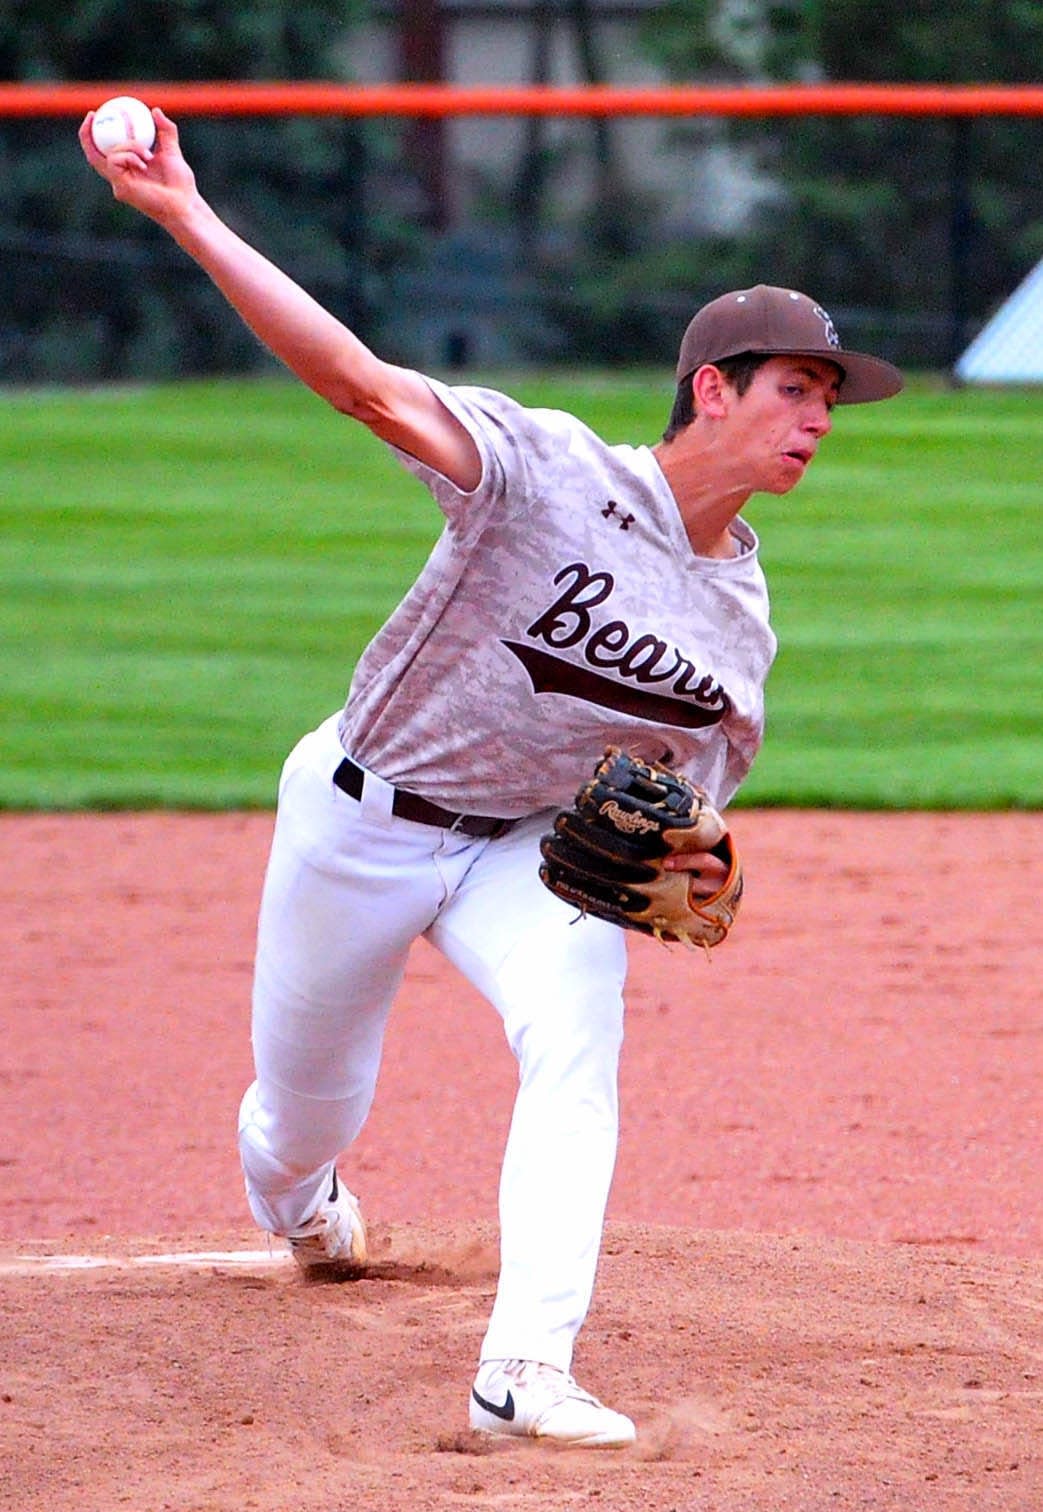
{"points": [[710, 390]]}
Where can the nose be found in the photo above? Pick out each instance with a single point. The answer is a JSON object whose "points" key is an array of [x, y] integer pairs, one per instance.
{"points": [[819, 420]]}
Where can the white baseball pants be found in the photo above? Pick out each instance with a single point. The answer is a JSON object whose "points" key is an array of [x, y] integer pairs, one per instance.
{"points": [[348, 889]]}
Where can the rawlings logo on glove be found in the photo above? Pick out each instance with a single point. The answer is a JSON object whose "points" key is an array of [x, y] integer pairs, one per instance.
{"points": [[628, 823], [605, 854]]}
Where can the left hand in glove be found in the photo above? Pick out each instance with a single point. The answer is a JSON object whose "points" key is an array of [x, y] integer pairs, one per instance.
{"points": [[631, 850]]}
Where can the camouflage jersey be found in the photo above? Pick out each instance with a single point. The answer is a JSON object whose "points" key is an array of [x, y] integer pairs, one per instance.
{"points": [[561, 610]]}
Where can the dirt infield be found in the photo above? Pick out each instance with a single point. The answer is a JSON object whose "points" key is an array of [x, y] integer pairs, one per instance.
{"points": [[822, 1284]]}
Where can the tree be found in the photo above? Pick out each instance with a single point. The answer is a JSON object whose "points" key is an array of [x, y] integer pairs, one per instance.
{"points": [[870, 210], [584, 255], [90, 291]]}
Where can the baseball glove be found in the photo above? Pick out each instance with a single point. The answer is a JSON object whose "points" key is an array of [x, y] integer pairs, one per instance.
{"points": [[605, 854]]}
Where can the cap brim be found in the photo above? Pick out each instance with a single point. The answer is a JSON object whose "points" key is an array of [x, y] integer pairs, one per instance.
{"points": [[865, 378]]}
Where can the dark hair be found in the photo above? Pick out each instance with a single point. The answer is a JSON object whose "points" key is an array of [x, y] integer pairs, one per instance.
{"points": [[738, 371]]}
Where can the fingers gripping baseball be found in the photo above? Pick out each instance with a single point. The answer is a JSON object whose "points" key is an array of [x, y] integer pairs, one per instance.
{"points": [[151, 179], [630, 846]]}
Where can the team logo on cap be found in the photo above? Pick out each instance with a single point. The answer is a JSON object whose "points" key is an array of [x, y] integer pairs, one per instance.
{"points": [[827, 320]]}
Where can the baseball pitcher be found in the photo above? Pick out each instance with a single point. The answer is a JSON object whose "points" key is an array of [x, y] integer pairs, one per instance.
{"points": [[534, 758]]}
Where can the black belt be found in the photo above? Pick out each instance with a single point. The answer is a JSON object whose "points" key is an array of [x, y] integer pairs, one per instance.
{"points": [[350, 777]]}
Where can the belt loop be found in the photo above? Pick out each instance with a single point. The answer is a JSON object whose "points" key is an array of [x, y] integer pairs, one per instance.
{"points": [[377, 798]]}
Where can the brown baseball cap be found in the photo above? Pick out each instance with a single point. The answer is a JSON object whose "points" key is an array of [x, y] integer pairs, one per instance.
{"points": [[768, 321]]}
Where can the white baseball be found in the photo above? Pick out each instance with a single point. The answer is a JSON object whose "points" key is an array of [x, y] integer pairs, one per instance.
{"points": [[123, 119]]}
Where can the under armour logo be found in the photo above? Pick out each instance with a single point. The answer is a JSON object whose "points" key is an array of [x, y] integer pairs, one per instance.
{"points": [[831, 331], [625, 520]]}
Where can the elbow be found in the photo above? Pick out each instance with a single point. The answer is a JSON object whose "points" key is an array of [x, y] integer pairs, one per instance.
{"points": [[346, 400], [367, 409], [368, 406]]}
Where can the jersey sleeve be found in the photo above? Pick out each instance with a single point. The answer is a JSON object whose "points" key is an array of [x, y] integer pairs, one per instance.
{"points": [[500, 428]]}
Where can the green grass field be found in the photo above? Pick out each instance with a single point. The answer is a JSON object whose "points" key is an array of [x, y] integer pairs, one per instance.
{"points": [[190, 571]]}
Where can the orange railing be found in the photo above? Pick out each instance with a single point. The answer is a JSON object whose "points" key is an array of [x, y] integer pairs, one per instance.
{"points": [[227, 98]]}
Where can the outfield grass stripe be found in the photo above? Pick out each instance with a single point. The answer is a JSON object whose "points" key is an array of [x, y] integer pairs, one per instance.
{"points": [[188, 574]]}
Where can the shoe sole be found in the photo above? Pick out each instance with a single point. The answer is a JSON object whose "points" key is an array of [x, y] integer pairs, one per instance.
{"points": [[318, 1265], [550, 1438], [496, 1429]]}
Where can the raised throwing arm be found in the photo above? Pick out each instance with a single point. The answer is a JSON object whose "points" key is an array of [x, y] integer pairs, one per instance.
{"points": [[395, 403]]}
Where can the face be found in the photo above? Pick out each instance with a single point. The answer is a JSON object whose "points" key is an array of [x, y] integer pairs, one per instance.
{"points": [[774, 429]]}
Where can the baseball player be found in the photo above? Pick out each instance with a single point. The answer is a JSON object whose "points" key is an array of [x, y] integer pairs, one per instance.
{"points": [[579, 595]]}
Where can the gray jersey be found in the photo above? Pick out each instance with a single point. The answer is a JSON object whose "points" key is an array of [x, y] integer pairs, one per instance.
{"points": [[562, 610]]}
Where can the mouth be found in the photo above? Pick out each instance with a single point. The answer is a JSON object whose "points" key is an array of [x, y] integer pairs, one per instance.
{"points": [[801, 454]]}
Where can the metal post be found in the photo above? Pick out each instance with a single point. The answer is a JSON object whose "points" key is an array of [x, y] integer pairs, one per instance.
{"points": [[961, 231]]}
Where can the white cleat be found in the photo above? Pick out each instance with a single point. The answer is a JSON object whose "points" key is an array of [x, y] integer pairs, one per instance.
{"points": [[528, 1399], [334, 1237]]}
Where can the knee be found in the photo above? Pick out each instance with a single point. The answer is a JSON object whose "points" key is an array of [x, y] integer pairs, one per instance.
{"points": [[569, 1030]]}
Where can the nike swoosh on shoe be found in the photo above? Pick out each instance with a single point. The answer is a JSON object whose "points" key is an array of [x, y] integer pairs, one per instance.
{"points": [[505, 1413]]}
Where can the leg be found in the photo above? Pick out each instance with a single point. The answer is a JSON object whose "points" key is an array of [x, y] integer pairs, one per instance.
{"points": [[346, 891], [557, 983]]}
